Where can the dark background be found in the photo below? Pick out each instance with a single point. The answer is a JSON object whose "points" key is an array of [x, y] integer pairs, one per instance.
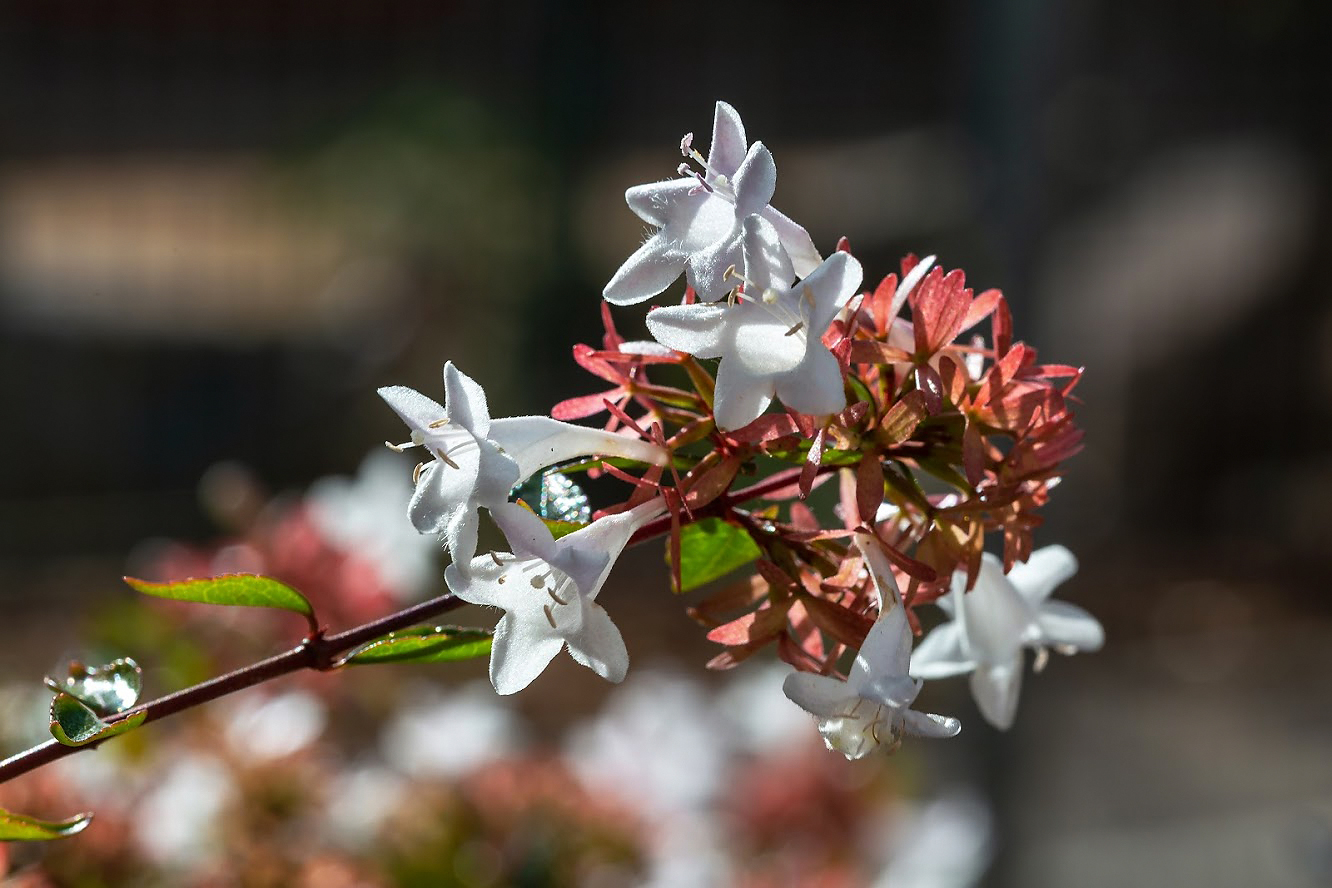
{"points": [[223, 225]]}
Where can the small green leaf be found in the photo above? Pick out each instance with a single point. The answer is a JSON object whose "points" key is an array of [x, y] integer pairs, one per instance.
{"points": [[74, 724], [712, 548], [561, 528], [21, 828], [249, 590], [423, 644], [105, 690]]}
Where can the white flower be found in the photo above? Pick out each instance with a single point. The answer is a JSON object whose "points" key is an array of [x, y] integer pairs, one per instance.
{"points": [[872, 706], [548, 590], [770, 341], [700, 217], [997, 619], [477, 461]]}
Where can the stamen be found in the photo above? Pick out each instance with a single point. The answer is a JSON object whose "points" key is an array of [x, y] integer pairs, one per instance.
{"points": [[495, 558], [550, 618], [558, 599], [416, 473], [398, 448], [1042, 657], [438, 423], [439, 451], [794, 330]]}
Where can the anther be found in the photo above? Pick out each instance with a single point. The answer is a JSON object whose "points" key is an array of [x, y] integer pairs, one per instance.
{"points": [[1042, 657], [439, 451], [495, 558], [794, 330], [687, 144], [550, 618], [558, 599], [416, 473], [439, 422]]}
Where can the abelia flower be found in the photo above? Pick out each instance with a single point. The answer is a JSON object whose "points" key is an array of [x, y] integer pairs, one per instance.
{"points": [[872, 706], [999, 617], [548, 589], [700, 216], [477, 460], [770, 338]]}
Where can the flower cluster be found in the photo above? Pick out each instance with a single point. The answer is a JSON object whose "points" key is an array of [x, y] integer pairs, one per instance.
{"points": [[931, 440]]}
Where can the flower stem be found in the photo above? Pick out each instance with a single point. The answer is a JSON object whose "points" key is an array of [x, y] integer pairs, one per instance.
{"points": [[316, 652]]}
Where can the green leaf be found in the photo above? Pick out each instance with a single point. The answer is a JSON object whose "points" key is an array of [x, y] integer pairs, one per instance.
{"points": [[105, 690], [74, 724], [561, 528], [249, 590], [423, 644], [712, 548], [22, 828]]}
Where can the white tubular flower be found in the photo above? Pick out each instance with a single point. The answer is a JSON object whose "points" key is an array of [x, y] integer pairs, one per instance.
{"points": [[548, 589], [872, 707], [996, 620], [477, 461], [699, 218], [771, 339]]}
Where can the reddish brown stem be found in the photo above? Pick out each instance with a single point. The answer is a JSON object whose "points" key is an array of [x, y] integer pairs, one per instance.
{"points": [[316, 652]]}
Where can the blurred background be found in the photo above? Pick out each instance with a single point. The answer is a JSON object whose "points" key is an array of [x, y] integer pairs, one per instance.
{"points": [[223, 225]]}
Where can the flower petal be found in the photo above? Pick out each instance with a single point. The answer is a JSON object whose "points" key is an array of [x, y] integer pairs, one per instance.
{"points": [[766, 264], [587, 555], [927, 724], [755, 181], [897, 691], [527, 535], [995, 689], [852, 737], [814, 386], [656, 202], [460, 536], [1047, 568], [521, 651], [706, 268], [441, 491], [818, 694], [496, 474], [759, 342], [1062, 623], [465, 401], [412, 407], [942, 653], [535, 442], [598, 644], [652, 268], [995, 617], [799, 246], [727, 148], [740, 396], [886, 651], [693, 329], [831, 285]]}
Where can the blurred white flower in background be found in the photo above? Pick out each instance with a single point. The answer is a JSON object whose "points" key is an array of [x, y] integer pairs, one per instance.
{"points": [[944, 843], [367, 515], [176, 823], [450, 735], [262, 726]]}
